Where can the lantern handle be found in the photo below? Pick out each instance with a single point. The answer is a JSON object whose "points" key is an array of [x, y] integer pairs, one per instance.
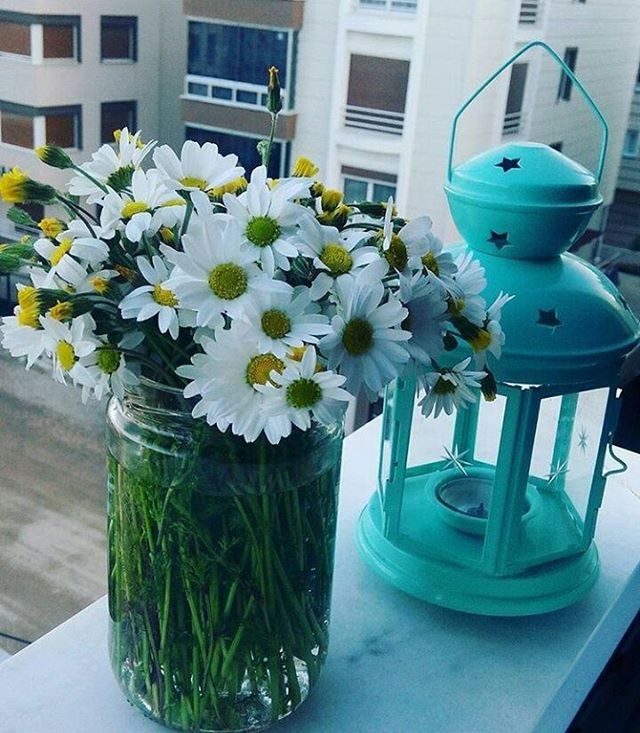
{"points": [[567, 71]]}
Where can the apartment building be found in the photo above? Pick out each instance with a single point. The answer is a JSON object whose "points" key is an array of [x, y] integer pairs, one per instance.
{"points": [[623, 222], [73, 71], [371, 86]]}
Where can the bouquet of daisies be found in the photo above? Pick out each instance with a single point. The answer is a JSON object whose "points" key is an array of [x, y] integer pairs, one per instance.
{"points": [[269, 302]]}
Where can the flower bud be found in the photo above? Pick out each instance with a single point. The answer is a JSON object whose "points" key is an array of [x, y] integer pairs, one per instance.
{"points": [[304, 168], [17, 188], [51, 227], [274, 97], [54, 156], [331, 199]]}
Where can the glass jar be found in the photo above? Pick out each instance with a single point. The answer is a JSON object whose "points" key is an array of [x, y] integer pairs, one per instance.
{"points": [[220, 564]]}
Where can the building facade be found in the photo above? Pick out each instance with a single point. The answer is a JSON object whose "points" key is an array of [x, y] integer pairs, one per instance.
{"points": [[73, 71], [371, 86]]}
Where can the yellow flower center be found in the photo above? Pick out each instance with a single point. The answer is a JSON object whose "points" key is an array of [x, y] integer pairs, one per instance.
{"points": [[167, 235], [337, 259], [132, 208], [66, 355], [228, 281], [481, 340], [262, 231], [235, 186], [261, 366], [108, 360], [357, 337], [304, 393], [192, 182], [51, 227], [175, 202], [275, 323], [12, 188], [61, 311], [396, 255], [100, 284], [60, 251], [431, 263], [163, 296], [29, 310]]}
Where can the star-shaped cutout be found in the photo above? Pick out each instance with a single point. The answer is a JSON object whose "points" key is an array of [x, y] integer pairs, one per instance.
{"points": [[455, 460], [508, 164], [548, 318], [556, 471], [500, 239], [582, 440]]}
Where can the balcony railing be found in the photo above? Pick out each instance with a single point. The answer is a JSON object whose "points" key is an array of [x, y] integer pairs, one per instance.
{"points": [[226, 91], [401, 6], [511, 123], [529, 11], [377, 120]]}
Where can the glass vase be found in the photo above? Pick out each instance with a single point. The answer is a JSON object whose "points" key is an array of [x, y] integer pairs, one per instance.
{"points": [[220, 564]]}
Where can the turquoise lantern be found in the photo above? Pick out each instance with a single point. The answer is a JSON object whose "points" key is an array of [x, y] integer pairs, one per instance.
{"points": [[497, 515]]}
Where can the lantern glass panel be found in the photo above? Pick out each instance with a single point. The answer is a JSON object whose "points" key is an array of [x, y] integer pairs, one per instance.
{"points": [[489, 430], [429, 442]]}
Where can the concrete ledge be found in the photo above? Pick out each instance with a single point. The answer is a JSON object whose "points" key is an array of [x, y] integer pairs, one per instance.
{"points": [[272, 13], [237, 119]]}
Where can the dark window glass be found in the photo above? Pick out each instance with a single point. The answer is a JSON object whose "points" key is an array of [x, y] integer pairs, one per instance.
{"points": [[243, 147], [516, 88], [221, 93], [382, 191], [119, 38], [17, 129], [199, 89], [115, 116], [35, 211], [564, 89], [377, 83], [355, 190], [236, 53], [556, 146], [15, 38], [246, 97], [63, 129], [59, 41]]}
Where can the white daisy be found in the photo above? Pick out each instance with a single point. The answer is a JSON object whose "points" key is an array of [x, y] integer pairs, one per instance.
{"points": [[149, 206], [109, 372], [154, 299], [109, 163], [404, 250], [61, 256], [492, 336], [336, 255], [268, 218], [303, 393], [449, 389], [366, 340], [225, 377], [281, 320], [427, 308], [199, 168], [467, 284], [22, 333], [438, 262], [215, 274], [70, 344]]}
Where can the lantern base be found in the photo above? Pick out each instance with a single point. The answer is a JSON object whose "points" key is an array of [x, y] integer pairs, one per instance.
{"points": [[541, 589]]}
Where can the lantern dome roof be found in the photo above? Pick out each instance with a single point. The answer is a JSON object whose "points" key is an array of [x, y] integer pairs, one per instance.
{"points": [[522, 200], [566, 324]]}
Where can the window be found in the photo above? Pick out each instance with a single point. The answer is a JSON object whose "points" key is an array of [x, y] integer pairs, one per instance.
{"points": [[232, 58], [377, 94], [115, 116], [631, 144], [564, 89], [15, 38], [16, 128], [364, 185], [245, 148], [406, 6], [118, 38], [36, 212], [515, 99], [54, 36], [61, 41], [63, 126]]}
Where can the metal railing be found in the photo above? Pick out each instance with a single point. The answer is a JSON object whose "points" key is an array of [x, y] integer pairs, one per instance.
{"points": [[529, 11], [401, 6], [511, 123], [377, 120]]}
